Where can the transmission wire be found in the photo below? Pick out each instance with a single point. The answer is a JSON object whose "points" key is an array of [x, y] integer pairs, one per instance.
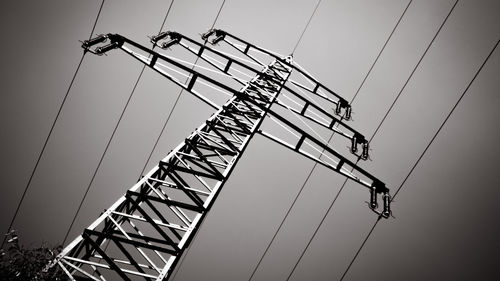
{"points": [[161, 28], [186, 251], [307, 25], [380, 53], [420, 158], [110, 140], [330, 138], [175, 104], [51, 129], [380, 124]]}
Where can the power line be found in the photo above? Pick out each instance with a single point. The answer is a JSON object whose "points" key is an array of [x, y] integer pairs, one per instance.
{"points": [[362, 245], [51, 129], [331, 136], [175, 103], [414, 69], [177, 268], [218, 13], [380, 124], [166, 15], [110, 140], [380, 53], [102, 156], [174, 274], [305, 28], [421, 156], [308, 176], [161, 28], [447, 117]]}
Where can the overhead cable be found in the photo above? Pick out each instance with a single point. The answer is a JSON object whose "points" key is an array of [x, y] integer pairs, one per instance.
{"points": [[420, 158], [373, 135], [28, 184], [315, 164], [174, 274], [109, 141]]}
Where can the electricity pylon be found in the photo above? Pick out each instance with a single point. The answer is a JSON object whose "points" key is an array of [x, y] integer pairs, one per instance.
{"points": [[144, 233]]}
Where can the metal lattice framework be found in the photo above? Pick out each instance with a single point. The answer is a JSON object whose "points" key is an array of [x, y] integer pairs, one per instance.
{"points": [[147, 230]]}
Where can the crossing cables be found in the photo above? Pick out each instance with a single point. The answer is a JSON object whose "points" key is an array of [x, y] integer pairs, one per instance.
{"points": [[420, 157], [110, 139], [315, 164], [376, 131], [186, 251], [305, 28], [175, 103], [28, 184]]}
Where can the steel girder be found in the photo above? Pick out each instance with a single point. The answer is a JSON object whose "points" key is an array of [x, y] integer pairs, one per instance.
{"points": [[303, 107], [146, 231]]}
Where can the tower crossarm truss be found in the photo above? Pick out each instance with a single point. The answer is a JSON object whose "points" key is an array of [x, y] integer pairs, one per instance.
{"points": [[291, 96], [245, 47], [294, 98], [305, 143], [147, 230]]}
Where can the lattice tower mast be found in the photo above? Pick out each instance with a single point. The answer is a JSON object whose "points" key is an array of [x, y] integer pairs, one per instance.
{"points": [[144, 233]]}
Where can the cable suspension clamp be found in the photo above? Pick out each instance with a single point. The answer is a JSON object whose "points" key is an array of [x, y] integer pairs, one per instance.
{"points": [[387, 205], [359, 139], [171, 38], [373, 198], [159, 215], [116, 42], [348, 112], [219, 36], [366, 149], [377, 188], [91, 42], [343, 104]]}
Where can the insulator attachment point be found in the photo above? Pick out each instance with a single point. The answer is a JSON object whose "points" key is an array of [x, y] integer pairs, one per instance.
{"points": [[116, 42], [348, 112], [106, 48], [206, 35], [171, 38], [387, 205], [160, 36], [91, 42], [219, 36], [373, 198], [354, 144], [338, 109], [366, 148]]}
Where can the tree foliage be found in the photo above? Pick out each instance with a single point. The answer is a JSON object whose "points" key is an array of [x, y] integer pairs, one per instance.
{"points": [[18, 263]]}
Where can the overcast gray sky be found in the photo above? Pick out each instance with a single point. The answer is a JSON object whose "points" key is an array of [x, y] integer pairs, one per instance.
{"points": [[446, 224]]}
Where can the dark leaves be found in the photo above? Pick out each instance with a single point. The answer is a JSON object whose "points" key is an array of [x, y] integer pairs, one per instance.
{"points": [[18, 263]]}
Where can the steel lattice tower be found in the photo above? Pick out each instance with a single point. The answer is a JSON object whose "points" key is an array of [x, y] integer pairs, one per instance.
{"points": [[144, 233]]}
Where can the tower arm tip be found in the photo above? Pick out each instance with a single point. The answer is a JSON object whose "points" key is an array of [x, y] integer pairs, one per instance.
{"points": [[90, 45]]}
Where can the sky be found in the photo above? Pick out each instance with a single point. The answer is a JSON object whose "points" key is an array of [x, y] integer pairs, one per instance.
{"points": [[445, 224]]}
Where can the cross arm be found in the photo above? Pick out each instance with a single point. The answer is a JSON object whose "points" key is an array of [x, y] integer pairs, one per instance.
{"points": [[296, 102], [312, 148], [245, 47], [168, 67]]}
